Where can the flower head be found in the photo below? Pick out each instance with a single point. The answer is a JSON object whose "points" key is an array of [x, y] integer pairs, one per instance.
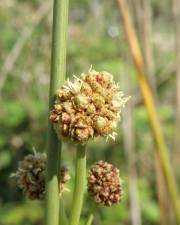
{"points": [[104, 183], [30, 175], [88, 107]]}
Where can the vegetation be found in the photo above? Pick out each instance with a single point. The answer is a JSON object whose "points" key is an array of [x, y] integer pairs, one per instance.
{"points": [[95, 36]]}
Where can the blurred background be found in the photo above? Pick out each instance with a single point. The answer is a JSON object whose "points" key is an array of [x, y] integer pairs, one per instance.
{"points": [[95, 36]]}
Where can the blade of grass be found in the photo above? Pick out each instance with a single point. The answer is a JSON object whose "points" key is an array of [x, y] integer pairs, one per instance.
{"points": [[80, 176], [150, 106], [58, 71]]}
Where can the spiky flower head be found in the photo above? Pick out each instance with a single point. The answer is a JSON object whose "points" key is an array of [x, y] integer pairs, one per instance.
{"points": [[30, 175], [104, 183], [88, 107]]}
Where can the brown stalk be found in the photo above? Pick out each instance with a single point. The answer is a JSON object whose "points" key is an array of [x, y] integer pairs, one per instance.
{"points": [[176, 12], [129, 143], [161, 147], [145, 23]]}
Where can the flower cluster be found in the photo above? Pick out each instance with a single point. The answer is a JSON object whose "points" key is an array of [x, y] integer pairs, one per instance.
{"points": [[104, 183], [88, 107], [30, 176]]}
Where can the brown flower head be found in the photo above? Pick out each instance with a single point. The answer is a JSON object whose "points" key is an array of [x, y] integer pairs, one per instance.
{"points": [[104, 183], [30, 175], [88, 107]]}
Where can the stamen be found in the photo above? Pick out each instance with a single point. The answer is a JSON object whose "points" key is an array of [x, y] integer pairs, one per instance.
{"points": [[66, 87], [77, 78], [112, 136], [90, 69]]}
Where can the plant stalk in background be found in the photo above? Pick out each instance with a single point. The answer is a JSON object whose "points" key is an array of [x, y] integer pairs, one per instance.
{"points": [[176, 13], [144, 20], [62, 213], [80, 178], [130, 146], [58, 70], [89, 219], [150, 106]]}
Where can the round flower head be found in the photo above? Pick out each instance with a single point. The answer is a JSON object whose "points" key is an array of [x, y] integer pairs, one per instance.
{"points": [[88, 107], [31, 175], [104, 183]]}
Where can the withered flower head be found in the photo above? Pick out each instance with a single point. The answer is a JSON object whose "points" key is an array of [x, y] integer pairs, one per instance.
{"points": [[30, 175], [104, 183], [88, 107]]}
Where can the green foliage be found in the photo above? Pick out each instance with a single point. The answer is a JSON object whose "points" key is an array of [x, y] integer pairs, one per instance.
{"points": [[14, 114], [25, 213]]}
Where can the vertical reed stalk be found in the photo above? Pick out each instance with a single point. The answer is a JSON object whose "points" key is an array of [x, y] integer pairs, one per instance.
{"points": [[176, 13], [145, 22], [58, 70], [130, 146], [80, 177], [150, 106]]}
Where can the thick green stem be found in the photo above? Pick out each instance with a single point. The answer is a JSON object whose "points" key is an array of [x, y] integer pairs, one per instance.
{"points": [[58, 70], [80, 179]]}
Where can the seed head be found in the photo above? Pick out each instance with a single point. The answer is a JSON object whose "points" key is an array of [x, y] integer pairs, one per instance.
{"points": [[88, 107], [104, 183], [30, 175]]}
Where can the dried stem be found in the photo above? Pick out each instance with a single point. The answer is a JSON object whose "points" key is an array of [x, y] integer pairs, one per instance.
{"points": [[145, 23], [130, 146], [150, 106], [176, 12]]}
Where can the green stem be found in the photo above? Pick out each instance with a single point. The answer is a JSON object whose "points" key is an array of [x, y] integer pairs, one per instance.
{"points": [[63, 218], [58, 71], [80, 178], [89, 219]]}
